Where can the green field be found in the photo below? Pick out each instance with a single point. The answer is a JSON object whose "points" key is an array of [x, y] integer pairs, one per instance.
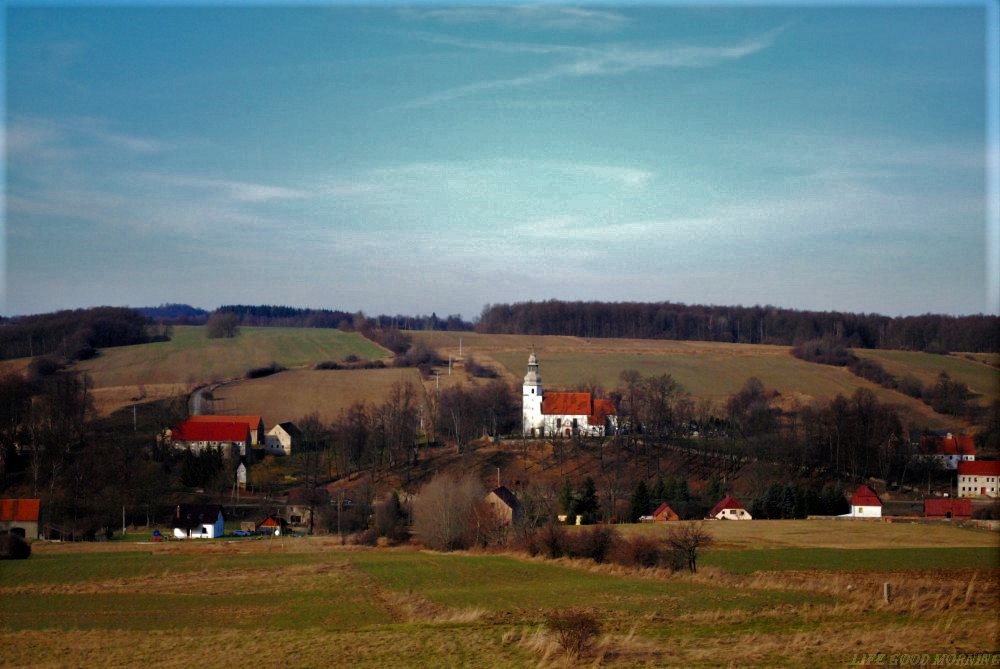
{"points": [[309, 602], [190, 357], [980, 377]]}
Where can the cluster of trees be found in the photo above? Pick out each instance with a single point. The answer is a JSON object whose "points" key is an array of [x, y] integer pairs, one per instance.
{"points": [[779, 502], [76, 335], [756, 325]]}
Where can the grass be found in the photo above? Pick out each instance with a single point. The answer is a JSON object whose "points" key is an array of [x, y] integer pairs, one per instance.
{"points": [[980, 377], [190, 357], [312, 603], [295, 393]]}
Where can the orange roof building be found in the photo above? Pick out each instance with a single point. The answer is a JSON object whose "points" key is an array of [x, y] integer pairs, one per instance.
{"points": [[21, 517]]}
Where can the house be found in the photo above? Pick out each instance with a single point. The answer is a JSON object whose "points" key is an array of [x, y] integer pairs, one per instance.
{"points": [[865, 503], [664, 513], [302, 502], [272, 525], [979, 479], [231, 437], [198, 521], [947, 507], [282, 438], [20, 517], [254, 423], [948, 449], [561, 413], [729, 508], [506, 506]]}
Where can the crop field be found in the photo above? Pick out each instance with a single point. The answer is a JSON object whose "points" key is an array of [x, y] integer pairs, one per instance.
{"points": [[310, 602], [979, 376], [296, 393], [707, 370], [190, 357]]}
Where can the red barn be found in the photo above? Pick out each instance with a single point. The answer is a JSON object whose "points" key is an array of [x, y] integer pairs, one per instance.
{"points": [[947, 507]]}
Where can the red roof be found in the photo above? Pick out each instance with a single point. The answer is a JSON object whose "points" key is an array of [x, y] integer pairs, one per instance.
{"points": [[19, 510], [191, 430], [865, 496], [939, 508], [728, 502], [566, 404], [979, 468], [253, 422], [602, 409], [960, 444], [664, 510]]}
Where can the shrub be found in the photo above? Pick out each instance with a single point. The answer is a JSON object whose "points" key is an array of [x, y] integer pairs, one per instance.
{"points": [[594, 543], [13, 547], [552, 540], [473, 367], [327, 364], [637, 551], [364, 538], [260, 372], [575, 630]]}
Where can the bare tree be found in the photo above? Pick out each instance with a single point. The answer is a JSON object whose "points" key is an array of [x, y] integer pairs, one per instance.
{"points": [[445, 512], [685, 541]]}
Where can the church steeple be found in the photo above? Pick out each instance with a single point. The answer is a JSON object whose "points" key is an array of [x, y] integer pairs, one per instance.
{"points": [[533, 377], [531, 397]]}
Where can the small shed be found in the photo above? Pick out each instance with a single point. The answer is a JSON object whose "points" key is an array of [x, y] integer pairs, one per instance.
{"points": [[272, 525], [865, 503], [664, 513], [506, 506]]}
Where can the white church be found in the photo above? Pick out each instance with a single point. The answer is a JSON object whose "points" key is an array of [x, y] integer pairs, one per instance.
{"points": [[562, 414]]}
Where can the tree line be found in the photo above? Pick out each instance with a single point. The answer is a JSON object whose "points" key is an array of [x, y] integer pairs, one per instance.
{"points": [[739, 324]]}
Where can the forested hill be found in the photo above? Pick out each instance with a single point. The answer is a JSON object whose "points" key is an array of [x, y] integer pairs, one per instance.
{"points": [[755, 325], [75, 334]]}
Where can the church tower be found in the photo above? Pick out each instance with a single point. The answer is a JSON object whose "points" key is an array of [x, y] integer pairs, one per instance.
{"points": [[531, 398]]}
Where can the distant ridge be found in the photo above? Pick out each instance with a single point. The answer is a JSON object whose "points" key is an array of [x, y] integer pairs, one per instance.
{"points": [[176, 314]]}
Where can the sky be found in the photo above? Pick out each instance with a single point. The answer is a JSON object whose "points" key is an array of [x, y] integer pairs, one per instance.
{"points": [[440, 158]]}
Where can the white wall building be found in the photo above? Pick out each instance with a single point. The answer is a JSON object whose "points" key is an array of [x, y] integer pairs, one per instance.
{"points": [[559, 413], [979, 479]]}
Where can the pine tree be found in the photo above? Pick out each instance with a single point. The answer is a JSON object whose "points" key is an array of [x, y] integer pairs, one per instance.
{"points": [[588, 505], [640, 504]]}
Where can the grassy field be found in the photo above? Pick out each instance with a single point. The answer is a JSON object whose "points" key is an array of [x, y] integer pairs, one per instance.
{"points": [[296, 393], [980, 377], [311, 603], [190, 357], [707, 370]]}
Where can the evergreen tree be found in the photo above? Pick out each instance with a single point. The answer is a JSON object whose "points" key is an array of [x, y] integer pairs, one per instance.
{"points": [[567, 501], [588, 505], [640, 504]]}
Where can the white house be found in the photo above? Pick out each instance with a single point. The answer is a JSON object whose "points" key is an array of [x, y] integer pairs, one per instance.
{"points": [[979, 479], [559, 413], [198, 521], [729, 508], [282, 438], [865, 503], [948, 450]]}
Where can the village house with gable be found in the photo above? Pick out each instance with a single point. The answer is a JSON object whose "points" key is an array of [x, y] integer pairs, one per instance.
{"points": [[729, 508], [198, 521], [232, 438], [979, 479], [21, 517], [865, 503], [562, 414]]}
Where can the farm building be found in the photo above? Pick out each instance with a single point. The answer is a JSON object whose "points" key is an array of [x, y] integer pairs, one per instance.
{"points": [[729, 508], [282, 439], [664, 513], [560, 413], [947, 507], [272, 525], [865, 503], [198, 521], [232, 438], [254, 423], [20, 517], [302, 502], [506, 506], [948, 450], [979, 479]]}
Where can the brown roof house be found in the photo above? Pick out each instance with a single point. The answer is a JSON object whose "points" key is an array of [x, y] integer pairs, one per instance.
{"points": [[20, 517], [664, 513], [506, 506]]}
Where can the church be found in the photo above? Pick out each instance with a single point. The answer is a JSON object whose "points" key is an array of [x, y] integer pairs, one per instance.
{"points": [[562, 414]]}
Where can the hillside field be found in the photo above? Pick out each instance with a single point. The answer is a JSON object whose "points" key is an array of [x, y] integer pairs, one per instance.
{"points": [[127, 604], [295, 393], [707, 370], [980, 377]]}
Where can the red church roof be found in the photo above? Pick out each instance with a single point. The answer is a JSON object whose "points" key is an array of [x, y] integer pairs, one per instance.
{"points": [[602, 409], [252, 422], [191, 430], [979, 468], [865, 496], [566, 404], [728, 502], [19, 510], [959, 444]]}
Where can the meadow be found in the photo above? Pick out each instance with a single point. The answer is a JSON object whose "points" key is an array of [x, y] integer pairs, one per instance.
{"points": [[979, 376], [310, 602]]}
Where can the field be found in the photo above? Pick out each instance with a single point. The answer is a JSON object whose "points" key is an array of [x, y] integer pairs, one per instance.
{"points": [[979, 376], [711, 371], [296, 393], [310, 602]]}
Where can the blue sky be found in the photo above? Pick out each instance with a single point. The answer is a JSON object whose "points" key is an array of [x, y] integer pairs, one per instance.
{"points": [[441, 158]]}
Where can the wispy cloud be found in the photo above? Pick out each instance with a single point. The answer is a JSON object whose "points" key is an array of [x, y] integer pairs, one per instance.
{"points": [[236, 191], [529, 17], [591, 61]]}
